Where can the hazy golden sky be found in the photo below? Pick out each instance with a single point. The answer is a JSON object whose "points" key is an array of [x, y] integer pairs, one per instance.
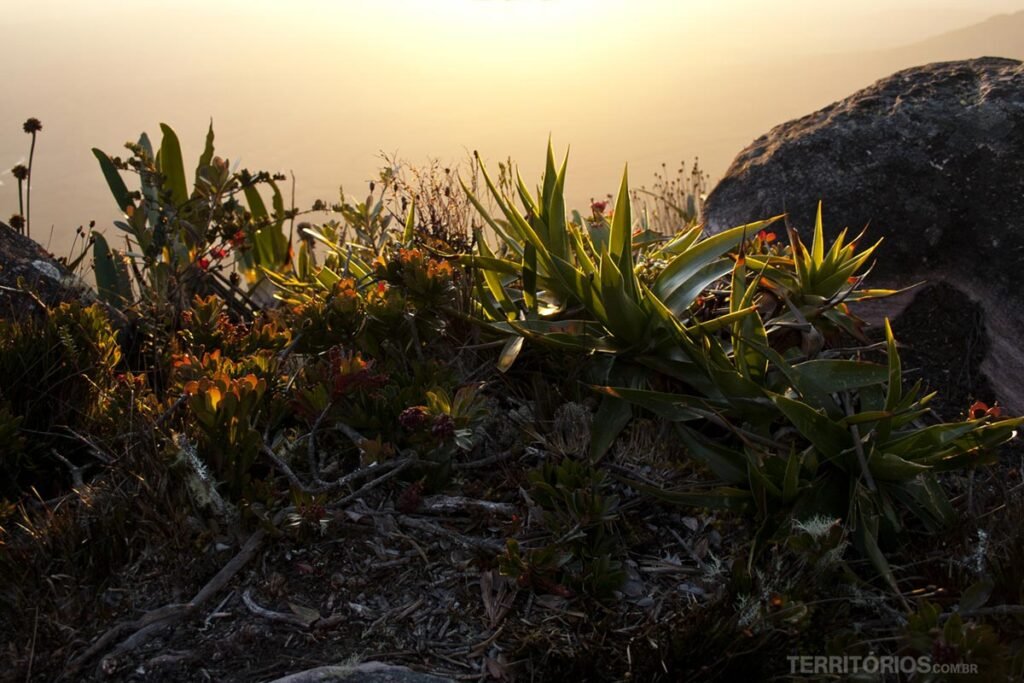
{"points": [[322, 86]]}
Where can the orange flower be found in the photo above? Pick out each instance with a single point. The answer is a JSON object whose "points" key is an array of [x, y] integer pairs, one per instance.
{"points": [[766, 237], [979, 410]]}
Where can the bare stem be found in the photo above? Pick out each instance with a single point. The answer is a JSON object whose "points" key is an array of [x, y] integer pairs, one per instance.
{"points": [[28, 190], [21, 199]]}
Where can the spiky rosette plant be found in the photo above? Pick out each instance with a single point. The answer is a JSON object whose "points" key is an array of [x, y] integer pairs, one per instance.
{"points": [[788, 425]]}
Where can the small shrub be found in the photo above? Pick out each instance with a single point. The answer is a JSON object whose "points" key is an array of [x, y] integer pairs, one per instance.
{"points": [[59, 375]]}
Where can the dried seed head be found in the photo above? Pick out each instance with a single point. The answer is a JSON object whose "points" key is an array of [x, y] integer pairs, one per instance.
{"points": [[570, 433], [32, 125], [20, 172], [17, 222]]}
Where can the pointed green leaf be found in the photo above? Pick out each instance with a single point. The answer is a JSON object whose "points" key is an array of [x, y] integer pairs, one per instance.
{"points": [[410, 226], [818, 245], [206, 158], [701, 254], [114, 180], [509, 353], [613, 414], [172, 167], [827, 437]]}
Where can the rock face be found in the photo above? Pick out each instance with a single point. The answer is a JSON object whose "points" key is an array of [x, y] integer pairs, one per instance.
{"points": [[931, 159], [367, 672], [27, 267]]}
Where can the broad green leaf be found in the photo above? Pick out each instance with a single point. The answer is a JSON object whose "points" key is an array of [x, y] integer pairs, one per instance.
{"points": [[720, 323], [509, 353], [833, 375], [690, 262], [675, 407], [114, 180], [494, 284], [976, 595], [256, 206], [680, 297], [866, 533], [172, 167], [727, 464], [889, 467], [828, 437], [722, 497], [327, 277], [112, 282], [625, 319], [679, 243], [613, 414]]}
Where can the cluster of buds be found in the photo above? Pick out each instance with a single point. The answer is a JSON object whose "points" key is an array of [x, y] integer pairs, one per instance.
{"points": [[414, 418], [417, 418]]}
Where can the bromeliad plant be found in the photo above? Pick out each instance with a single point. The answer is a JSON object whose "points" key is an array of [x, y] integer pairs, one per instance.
{"points": [[575, 286], [743, 332], [847, 442]]}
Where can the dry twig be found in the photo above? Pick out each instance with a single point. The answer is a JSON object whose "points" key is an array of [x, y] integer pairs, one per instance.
{"points": [[156, 620]]}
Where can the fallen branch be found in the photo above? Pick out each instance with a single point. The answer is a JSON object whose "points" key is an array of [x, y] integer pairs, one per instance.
{"points": [[395, 466], [282, 617], [438, 530], [443, 505], [150, 623], [323, 674], [487, 462], [399, 467]]}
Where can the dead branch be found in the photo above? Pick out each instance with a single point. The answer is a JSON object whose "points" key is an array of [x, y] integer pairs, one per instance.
{"points": [[152, 622], [487, 462], [323, 674], [282, 617], [487, 545], [443, 505]]}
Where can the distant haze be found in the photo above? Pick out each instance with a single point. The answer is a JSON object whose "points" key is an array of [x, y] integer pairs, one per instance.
{"points": [[321, 87]]}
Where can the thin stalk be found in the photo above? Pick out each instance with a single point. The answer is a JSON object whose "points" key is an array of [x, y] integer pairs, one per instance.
{"points": [[28, 192], [21, 198]]}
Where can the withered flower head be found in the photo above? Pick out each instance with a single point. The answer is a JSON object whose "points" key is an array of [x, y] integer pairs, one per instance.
{"points": [[20, 172], [32, 125], [17, 222]]}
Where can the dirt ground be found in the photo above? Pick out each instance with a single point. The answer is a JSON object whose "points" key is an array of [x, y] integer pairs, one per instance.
{"points": [[419, 586]]}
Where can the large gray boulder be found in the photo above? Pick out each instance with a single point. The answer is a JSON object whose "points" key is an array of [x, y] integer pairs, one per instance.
{"points": [[931, 159], [367, 672], [30, 276]]}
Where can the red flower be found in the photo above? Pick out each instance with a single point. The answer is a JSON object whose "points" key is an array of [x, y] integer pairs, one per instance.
{"points": [[414, 418], [766, 237], [203, 263], [218, 253], [979, 409], [443, 428], [598, 207], [238, 239]]}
